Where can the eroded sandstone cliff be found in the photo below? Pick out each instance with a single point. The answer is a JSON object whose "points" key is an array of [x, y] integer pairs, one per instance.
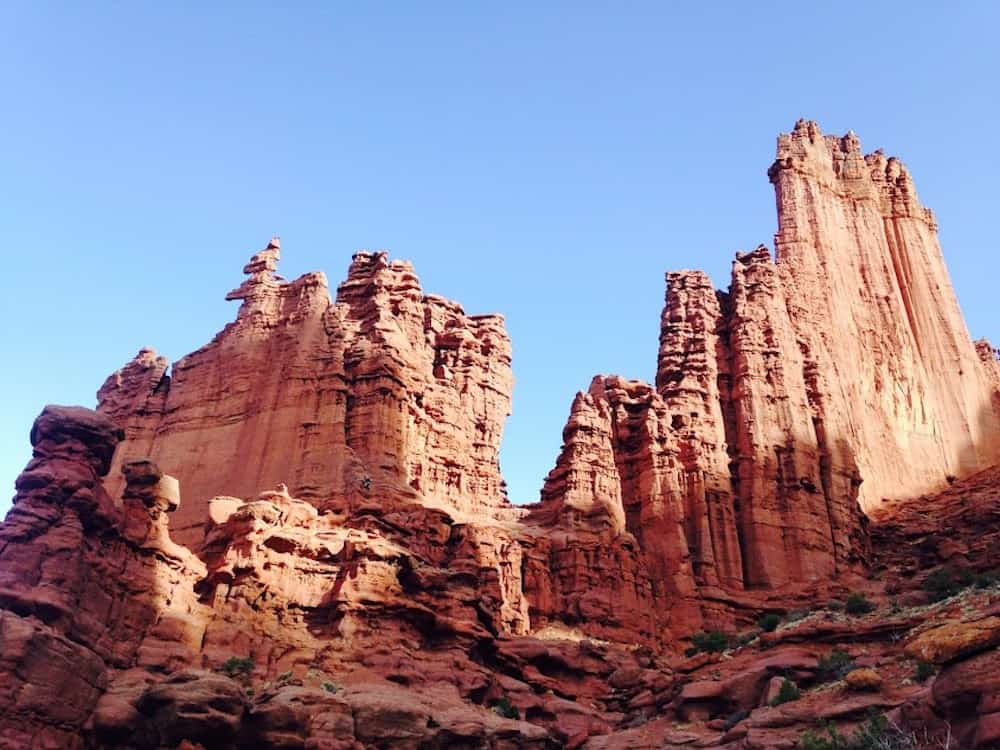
{"points": [[839, 373], [384, 391], [341, 567], [872, 302]]}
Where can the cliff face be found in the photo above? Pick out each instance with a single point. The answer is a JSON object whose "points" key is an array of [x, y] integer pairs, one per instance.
{"points": [[88, 586], [344, 571], [871, 299], [356, 631], [840, 373], [385, 391]]}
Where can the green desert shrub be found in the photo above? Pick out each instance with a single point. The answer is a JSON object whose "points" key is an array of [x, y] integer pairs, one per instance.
{"points": [[503, 707], [875, 734], [235, 666], [769, 622], [711, 641], [925, 670], [986, 579], [834, 666], [787, 693], [947, 581], [858, 604]]}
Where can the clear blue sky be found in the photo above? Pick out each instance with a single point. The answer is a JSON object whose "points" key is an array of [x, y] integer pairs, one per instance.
{"points": [[545, 160]]}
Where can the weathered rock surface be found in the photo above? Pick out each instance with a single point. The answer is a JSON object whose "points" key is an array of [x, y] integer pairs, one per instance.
{"points": [[874, 306], [840, 372], [954, 640], [83, 581], [384, 392], [298, 535], [114, 636]]}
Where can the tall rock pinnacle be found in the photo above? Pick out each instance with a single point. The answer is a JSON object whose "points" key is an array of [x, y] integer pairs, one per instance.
{"points": [[833, 378], [874, 312]]}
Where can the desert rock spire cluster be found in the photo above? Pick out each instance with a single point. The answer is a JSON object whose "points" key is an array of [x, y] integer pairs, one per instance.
{"points": [[298, 535]]}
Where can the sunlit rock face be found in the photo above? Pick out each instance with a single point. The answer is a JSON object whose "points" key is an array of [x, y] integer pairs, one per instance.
{"points": [[871, 301], [298, 535], [833, 377], [384, 391]]}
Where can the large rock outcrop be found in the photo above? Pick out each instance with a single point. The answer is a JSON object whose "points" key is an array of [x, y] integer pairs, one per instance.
{"points": [[384, 392], [298, 535], [838, 375], [872, 303], [85, 583]]}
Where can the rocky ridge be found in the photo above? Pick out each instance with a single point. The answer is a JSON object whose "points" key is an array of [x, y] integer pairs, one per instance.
{"points": [[341, 567], [384, 391]]}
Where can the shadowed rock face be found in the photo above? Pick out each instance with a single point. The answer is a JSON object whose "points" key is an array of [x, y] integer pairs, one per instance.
{"points": [[871, 300], [359, 580]]}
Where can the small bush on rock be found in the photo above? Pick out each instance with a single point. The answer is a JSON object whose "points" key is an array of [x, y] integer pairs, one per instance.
{"points": [[925, 670], [947, 581], [858, 604], [787, 693], [769, 622], [834, 666], [712, 641], [236, 666], [875, 734], [987, 579], [504, 708], [940, 584]]}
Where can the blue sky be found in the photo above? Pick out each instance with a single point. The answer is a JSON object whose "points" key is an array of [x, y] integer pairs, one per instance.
{"points": [[544, 160]]}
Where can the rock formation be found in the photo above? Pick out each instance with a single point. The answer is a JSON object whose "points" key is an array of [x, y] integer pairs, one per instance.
{"points": [[298, 535], [385, 391], [88, 586], [841, 372], [873, 303]]}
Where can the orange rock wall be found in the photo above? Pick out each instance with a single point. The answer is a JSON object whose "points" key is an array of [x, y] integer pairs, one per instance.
{"points": [[871, 301], [385, 391], [358, 578], [833, 378], [839, 373]]}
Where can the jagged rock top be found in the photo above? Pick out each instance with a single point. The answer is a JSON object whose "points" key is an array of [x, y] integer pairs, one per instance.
{"points": [[837, 162], [383, 394]]}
